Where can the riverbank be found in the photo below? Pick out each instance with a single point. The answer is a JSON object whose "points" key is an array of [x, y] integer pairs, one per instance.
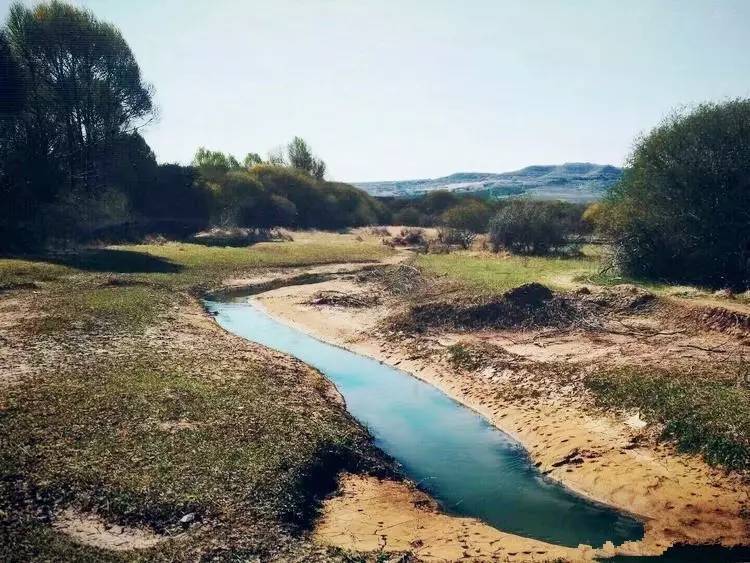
{"points": [[607, 457], [132, 427]]}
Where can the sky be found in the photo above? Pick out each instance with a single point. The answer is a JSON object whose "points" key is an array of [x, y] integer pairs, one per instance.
{"points": [[398, 89]]}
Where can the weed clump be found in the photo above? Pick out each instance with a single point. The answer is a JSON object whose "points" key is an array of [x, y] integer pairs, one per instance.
{"points": [[401, 279], [409, 237]]}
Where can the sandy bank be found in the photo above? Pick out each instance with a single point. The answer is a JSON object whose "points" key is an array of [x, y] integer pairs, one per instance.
{"points": [[373, 515], [679, 497]]}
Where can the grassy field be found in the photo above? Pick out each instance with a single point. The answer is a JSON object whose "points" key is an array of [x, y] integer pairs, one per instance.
{"points": [[138, 409], [500, 273]]}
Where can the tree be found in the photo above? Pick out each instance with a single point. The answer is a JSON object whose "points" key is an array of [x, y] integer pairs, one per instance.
{"points": [[71, 90], [276, 157], [408, 216], [301, 157], [84, 87], [252, 159], [682, 211], [11, 83], [214, 165], [435, 203], [318, 170]]}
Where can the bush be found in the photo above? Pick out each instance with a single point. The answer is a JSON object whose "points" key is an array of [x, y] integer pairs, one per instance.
{"points": [[409, 216], [409, 237], [456, 237], [470, 215], [682, 211], [533, 227]]}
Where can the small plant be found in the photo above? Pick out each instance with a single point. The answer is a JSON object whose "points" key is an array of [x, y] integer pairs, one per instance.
{"points": [[462, 357]]}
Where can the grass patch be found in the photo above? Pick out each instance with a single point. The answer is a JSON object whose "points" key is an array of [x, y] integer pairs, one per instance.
{"points": [[262, 255], [702, 413], [497, 274], [15, 271], [130, 308], [150, 444], [144, 426], [462, 357]]}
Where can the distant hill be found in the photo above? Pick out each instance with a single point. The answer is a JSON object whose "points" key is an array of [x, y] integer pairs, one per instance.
{"points": [[572, 181]]}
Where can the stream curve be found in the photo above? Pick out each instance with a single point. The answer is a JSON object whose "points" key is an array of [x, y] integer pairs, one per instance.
{"points": [[469, 466]]}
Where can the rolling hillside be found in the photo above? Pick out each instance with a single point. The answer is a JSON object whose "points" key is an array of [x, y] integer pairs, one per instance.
{"points": [[575, 181]]}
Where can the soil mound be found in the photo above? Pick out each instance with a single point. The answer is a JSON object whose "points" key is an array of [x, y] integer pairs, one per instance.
{"points": [[721, 319], [528, 306], [342, 299], [528, 294]]}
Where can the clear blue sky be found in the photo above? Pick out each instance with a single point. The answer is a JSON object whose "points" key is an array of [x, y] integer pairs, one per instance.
{"points": [[391, 89]]}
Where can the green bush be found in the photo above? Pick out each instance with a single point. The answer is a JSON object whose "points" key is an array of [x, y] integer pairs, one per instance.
{"points": [[682, 210], [535, 227], [408, 216], [468, 215]]}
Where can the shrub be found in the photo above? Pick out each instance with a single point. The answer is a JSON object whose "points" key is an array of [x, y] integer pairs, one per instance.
{"points": [[681, 212], [456, 237], [380, 231], [409, 216], [469, 215], [409, 237], [532, 227]]}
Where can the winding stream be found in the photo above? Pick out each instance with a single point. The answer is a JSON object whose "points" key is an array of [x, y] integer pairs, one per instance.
{"points": [[471, 467]]}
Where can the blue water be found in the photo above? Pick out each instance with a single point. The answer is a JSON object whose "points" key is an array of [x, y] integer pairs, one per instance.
{"points": [[472, 468]]}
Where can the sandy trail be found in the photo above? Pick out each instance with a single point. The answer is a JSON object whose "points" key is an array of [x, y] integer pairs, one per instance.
{"points": [[680, 498]]}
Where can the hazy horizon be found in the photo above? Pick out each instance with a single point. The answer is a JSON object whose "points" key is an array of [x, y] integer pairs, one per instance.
{"points": [[394, 91]]}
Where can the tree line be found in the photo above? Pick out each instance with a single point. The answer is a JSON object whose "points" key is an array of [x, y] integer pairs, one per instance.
{"points": [[74, 166]]}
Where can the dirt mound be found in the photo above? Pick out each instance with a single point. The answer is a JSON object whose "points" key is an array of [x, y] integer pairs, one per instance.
{"points": [[528, 306], [721, 319], [342, 299], [528, 294]]}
